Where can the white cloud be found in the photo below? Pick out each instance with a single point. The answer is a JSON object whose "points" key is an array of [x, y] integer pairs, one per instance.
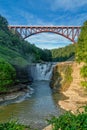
{"points": [[32, 19], [70, 19], [66, 4], [48, 40], [66, 18]]}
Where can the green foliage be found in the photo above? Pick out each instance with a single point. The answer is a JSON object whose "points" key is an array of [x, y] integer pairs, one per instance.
{"points": [[84, 84], [13, 125], [12, 56], [81, 53], [67, 79], [46, 56], [83, 71], [3, 23], [68, 73], [7, 75], [81, 49], [70, 121], [64, 53], [16, 48]]}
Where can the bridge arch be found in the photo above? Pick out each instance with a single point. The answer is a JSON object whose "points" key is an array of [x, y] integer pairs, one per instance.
{"points": [[51, 32]]}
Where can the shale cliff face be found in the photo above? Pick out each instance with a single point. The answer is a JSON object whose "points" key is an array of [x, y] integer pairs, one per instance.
{"points": [[77, 95], [66, 78], [61, 77]]}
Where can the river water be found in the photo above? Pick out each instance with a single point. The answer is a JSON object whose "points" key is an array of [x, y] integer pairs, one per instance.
{"points": [[36, 109]]}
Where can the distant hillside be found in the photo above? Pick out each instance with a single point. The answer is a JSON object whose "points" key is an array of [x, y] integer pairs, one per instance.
{"points": [[64, 53]]}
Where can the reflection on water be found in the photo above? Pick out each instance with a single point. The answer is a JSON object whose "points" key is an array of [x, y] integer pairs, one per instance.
{"points": [[36, 109]]}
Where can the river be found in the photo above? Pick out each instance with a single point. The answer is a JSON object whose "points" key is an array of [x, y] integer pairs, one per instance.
{"points": [[36, 109]]}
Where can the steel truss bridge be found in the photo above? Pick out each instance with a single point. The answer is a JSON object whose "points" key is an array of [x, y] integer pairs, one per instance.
{"points": [[69, 32]]}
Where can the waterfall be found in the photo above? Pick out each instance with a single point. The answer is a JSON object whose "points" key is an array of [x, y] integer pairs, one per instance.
{"points": [[41, 71]]}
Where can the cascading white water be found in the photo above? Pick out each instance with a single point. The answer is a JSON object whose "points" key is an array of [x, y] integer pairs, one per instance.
{"points": [[41, 71]]}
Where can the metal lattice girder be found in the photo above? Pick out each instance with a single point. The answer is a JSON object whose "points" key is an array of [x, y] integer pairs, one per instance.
{"points": [[69, 32]]}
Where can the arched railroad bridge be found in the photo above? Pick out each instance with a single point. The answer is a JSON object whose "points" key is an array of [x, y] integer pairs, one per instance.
{"points": [[69, 32]]}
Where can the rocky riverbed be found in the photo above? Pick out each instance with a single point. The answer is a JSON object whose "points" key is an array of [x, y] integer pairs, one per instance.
{"points": [[16, 94]]}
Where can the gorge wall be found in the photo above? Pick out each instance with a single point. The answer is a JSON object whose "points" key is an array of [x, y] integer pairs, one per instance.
{"points": [[61, 76], [66, 78]]}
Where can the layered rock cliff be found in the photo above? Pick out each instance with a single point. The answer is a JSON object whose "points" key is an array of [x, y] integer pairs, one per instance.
{"points": [[67, 79], [61, 77]]}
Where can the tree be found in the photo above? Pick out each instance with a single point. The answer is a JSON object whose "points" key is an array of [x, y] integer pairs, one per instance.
{"points": [[7, 75], [81, 51], [64, 53], [3, 23]]}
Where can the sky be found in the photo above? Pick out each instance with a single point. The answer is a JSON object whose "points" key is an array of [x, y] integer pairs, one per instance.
{"points": [[45, 12]]}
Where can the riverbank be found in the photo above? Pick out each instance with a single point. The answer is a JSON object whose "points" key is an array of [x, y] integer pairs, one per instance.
{"points": [[17, 93], [66, 79], [34, 110], [76, 94]]}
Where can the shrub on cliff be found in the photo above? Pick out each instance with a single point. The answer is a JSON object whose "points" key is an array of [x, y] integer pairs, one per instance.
{"points": [[7, 75]]}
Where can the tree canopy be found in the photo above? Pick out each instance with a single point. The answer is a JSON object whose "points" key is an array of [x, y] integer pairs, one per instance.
{"points": [[64, 53], [7, 75], [81, 52]]}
